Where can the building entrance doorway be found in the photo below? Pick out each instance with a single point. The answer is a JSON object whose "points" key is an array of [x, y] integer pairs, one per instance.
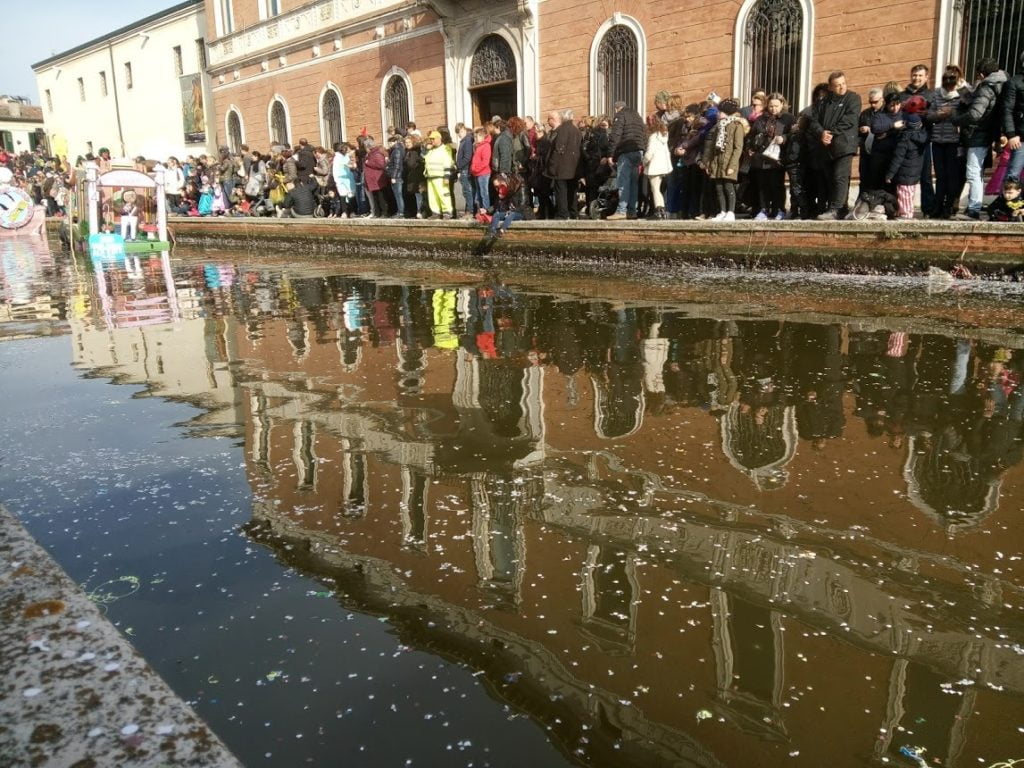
{"points": [[493, 80], [494, 99]]}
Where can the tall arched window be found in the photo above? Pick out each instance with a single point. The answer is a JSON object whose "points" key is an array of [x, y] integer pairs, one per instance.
{"points": [[617, 70], [331, 128], [396, 102], [234, 131], [773, 49], [989, 28], [774, 39], [493, 62], [278, 124]]}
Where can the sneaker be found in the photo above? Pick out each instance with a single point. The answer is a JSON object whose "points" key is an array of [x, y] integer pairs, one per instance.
{"points": [[718, 216], [762, 215], [780, 216], [617, 216], [828, 216], [729, 216], [419, 215]]}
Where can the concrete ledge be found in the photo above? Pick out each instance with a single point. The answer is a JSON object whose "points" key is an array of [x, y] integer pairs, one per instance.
{"points": [[75, 694], [847, 246]]}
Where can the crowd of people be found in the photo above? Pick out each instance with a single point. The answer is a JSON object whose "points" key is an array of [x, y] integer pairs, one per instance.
{"points": [[711, 159]]}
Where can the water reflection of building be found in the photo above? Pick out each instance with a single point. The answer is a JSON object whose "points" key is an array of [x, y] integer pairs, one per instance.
{"points": [[618, 574], [133, 323]]}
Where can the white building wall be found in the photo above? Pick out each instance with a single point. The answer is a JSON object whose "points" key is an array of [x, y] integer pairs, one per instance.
{"points": [[150, 111], [20, 132]]}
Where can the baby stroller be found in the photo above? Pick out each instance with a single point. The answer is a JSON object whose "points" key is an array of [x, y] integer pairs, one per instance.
{"points": [[607, 200]]}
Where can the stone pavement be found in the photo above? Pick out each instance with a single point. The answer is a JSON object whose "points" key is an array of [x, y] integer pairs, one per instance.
{"points": [[74, 692]]}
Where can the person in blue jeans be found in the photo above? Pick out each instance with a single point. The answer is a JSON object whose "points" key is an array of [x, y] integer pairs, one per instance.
{"points": [[463, 157], [506, 207], [627, 141], [1013, 120]]}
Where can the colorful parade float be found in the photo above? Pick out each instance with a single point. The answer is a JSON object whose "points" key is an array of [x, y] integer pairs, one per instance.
{"points": [[19, 215], [121, 211]]}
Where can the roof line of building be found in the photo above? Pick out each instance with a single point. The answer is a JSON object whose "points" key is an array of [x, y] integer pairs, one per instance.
{"points": [[117, 33]]}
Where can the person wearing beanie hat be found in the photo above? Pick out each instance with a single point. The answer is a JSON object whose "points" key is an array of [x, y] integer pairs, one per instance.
{"points": [[908, 160]]}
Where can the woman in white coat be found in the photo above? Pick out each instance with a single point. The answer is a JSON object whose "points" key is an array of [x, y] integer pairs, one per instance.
{"points": [[658, 164]]}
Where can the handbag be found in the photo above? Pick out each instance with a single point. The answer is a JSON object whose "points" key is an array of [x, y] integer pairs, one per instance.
{"points": [[772, 153]]}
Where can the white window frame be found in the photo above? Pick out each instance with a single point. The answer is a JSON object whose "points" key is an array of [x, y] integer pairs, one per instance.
{"points": [[224, 22], [641, 58], [330, 86], [741, 85], [287, 119], [241, 123], [383, 108], [268, 9]]}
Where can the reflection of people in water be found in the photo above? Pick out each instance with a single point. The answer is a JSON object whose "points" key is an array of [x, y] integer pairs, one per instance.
{"points": [[617, 377], [957, 457], [819, 359]]}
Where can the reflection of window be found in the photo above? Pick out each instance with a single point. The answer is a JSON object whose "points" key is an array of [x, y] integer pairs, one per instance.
{"points": [[278, 124], [414, 507], [609, 595], [396, 102], [303, 455], [617, 77], [498, 542], [179, 65], [354, 486], [234, 131], [773, 45], [989, 28], [330, 118], [260, 431]]}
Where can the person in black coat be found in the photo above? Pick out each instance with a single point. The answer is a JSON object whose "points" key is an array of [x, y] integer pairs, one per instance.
{"points": [[562, 161], [1013, 120], [834, 125], [908, 159]]}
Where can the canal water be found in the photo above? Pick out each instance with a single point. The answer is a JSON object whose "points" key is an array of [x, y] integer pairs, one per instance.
{"points": [[372, 514]]}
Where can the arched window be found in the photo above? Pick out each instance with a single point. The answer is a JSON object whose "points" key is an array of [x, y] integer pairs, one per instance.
{"points": [[617, 70], [773, 49], [988, 28], [278, 124], [493, 62], [396, 102], [331, 128], [774, 40], [234, 131]]}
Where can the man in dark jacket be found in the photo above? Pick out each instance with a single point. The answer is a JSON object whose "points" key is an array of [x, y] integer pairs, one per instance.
{"points": [[627, 141], [980, 119], [501, 147], [300, 202], [463, 157], [918, 86], [1013, 120], [833, 123], [563, 161]]}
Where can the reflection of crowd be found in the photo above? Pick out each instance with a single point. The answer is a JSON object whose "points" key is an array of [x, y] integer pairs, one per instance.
{"points": [[955, 407]]}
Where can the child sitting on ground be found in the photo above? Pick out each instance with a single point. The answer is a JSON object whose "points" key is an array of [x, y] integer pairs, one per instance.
{"points": [[506, 209], [1009, 206]]}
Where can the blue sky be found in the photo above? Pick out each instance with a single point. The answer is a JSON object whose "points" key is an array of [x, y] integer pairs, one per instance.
{"points": [[33, 32]]}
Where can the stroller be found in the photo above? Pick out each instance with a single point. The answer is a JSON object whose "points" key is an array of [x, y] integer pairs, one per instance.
{"points": [[607, 199]]}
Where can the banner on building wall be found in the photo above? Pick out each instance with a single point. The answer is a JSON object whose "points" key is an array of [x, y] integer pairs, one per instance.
{"points": [[193, 116]]}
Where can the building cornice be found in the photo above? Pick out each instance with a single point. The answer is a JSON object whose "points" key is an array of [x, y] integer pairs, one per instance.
{"points": [[181, 9], [319, 20]]}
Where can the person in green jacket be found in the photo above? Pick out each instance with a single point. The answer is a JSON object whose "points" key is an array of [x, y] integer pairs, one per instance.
{"points": [[438, 162]]}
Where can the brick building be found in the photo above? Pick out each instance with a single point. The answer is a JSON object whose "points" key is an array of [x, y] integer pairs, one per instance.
{"points": [[284, 69]]}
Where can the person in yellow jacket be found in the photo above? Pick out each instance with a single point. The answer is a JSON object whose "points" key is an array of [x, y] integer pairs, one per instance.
{"points": [[438, 164]]}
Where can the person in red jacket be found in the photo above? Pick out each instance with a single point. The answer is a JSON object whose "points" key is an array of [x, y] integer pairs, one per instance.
{"points": [[480, 170]]}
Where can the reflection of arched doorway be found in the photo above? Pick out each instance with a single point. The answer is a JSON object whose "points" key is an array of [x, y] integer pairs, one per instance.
{"points": [[493, 81]]}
